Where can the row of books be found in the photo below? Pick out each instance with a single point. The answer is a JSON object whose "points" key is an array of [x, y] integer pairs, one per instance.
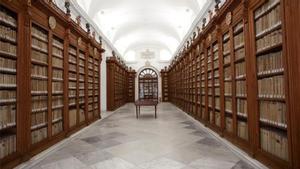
{"points": [[57, 114], [58, 43], [39, 56], [72, 117], [273, 113], [57, 62], [57, 128], [72, 51], [57, 101], [7, 116], [241, 107], [39, 118], [241, 89], [274, 142], [7, 143], [227, 88], [39, 86], [6, 47], [39, 45], [272, 39], [72, 67], [7, 33], [7, 80], [72, 75], [39, 103], [7, 63], [239, 40], [229, 124], [270, 63], [226, 48], [227, 73], [242, 129], [38, 135], [57, 74], [240, 70], [272, 87], [72, 59], [57, 87], [39, 71], [58, 52], [228, 105], [6, 17], [239, 54], [7, 95], [218, 118], [268, 21], [38, 32]]}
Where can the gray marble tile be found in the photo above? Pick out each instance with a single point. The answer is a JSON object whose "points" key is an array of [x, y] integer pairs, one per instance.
{"points": [[93, 157], [210, 142], [101, 145], [91, 140], [242, 165]]}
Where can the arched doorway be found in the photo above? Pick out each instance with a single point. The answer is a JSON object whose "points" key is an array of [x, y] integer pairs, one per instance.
{"points": [[148, 84]]}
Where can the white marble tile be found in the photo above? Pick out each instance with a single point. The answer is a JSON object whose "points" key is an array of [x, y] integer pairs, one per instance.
{"points": [[71, 163], [162, 163], [114, 163], [172, 141]]}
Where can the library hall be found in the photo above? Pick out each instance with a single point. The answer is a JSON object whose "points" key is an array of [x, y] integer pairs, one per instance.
{"points": [[149, 84]]}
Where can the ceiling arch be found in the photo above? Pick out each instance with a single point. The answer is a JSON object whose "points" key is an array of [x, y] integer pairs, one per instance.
{"points": [[138, 24]]}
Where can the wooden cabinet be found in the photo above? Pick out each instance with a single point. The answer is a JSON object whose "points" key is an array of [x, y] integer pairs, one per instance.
{"points": [[120, 83], [244, 90], [164, 85], [50, 78]]}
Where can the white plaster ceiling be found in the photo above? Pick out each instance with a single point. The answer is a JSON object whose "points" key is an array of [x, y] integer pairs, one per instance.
{"points": [[135, 26]]}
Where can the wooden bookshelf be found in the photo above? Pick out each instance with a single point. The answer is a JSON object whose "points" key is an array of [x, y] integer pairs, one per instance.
{"points": [[46, 103], [164, 85], [120, 83], [131, 85], [243, 87], [8, 83]]}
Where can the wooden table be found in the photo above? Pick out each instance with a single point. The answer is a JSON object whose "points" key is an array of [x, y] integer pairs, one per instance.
{"points": [[140, 103]]}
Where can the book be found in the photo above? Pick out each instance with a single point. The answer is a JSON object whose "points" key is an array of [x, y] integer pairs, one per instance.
{"points": [[7, 144], [275, 143]]}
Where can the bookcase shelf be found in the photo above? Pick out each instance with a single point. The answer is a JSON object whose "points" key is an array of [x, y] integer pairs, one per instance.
{"points": [[48, 101], [120, 83], [164, 85], [242, 83]]}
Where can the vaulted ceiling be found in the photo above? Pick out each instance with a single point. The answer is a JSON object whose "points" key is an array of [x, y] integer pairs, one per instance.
{"points": [[144, 25]]}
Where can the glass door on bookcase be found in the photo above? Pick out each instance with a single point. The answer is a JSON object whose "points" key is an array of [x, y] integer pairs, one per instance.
{"points": [[271, 79], [202, 86], [39, 83], [198, 83], [216, 81], [57, 85], [194, 85], [240, 80], [8, 82], [90, 87], [81, 86], [72, 86], [96, 89], [227, 82], [210, 85]]}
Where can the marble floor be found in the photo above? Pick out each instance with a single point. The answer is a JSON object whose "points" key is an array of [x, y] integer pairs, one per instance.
{"points": [[121, 141]]}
